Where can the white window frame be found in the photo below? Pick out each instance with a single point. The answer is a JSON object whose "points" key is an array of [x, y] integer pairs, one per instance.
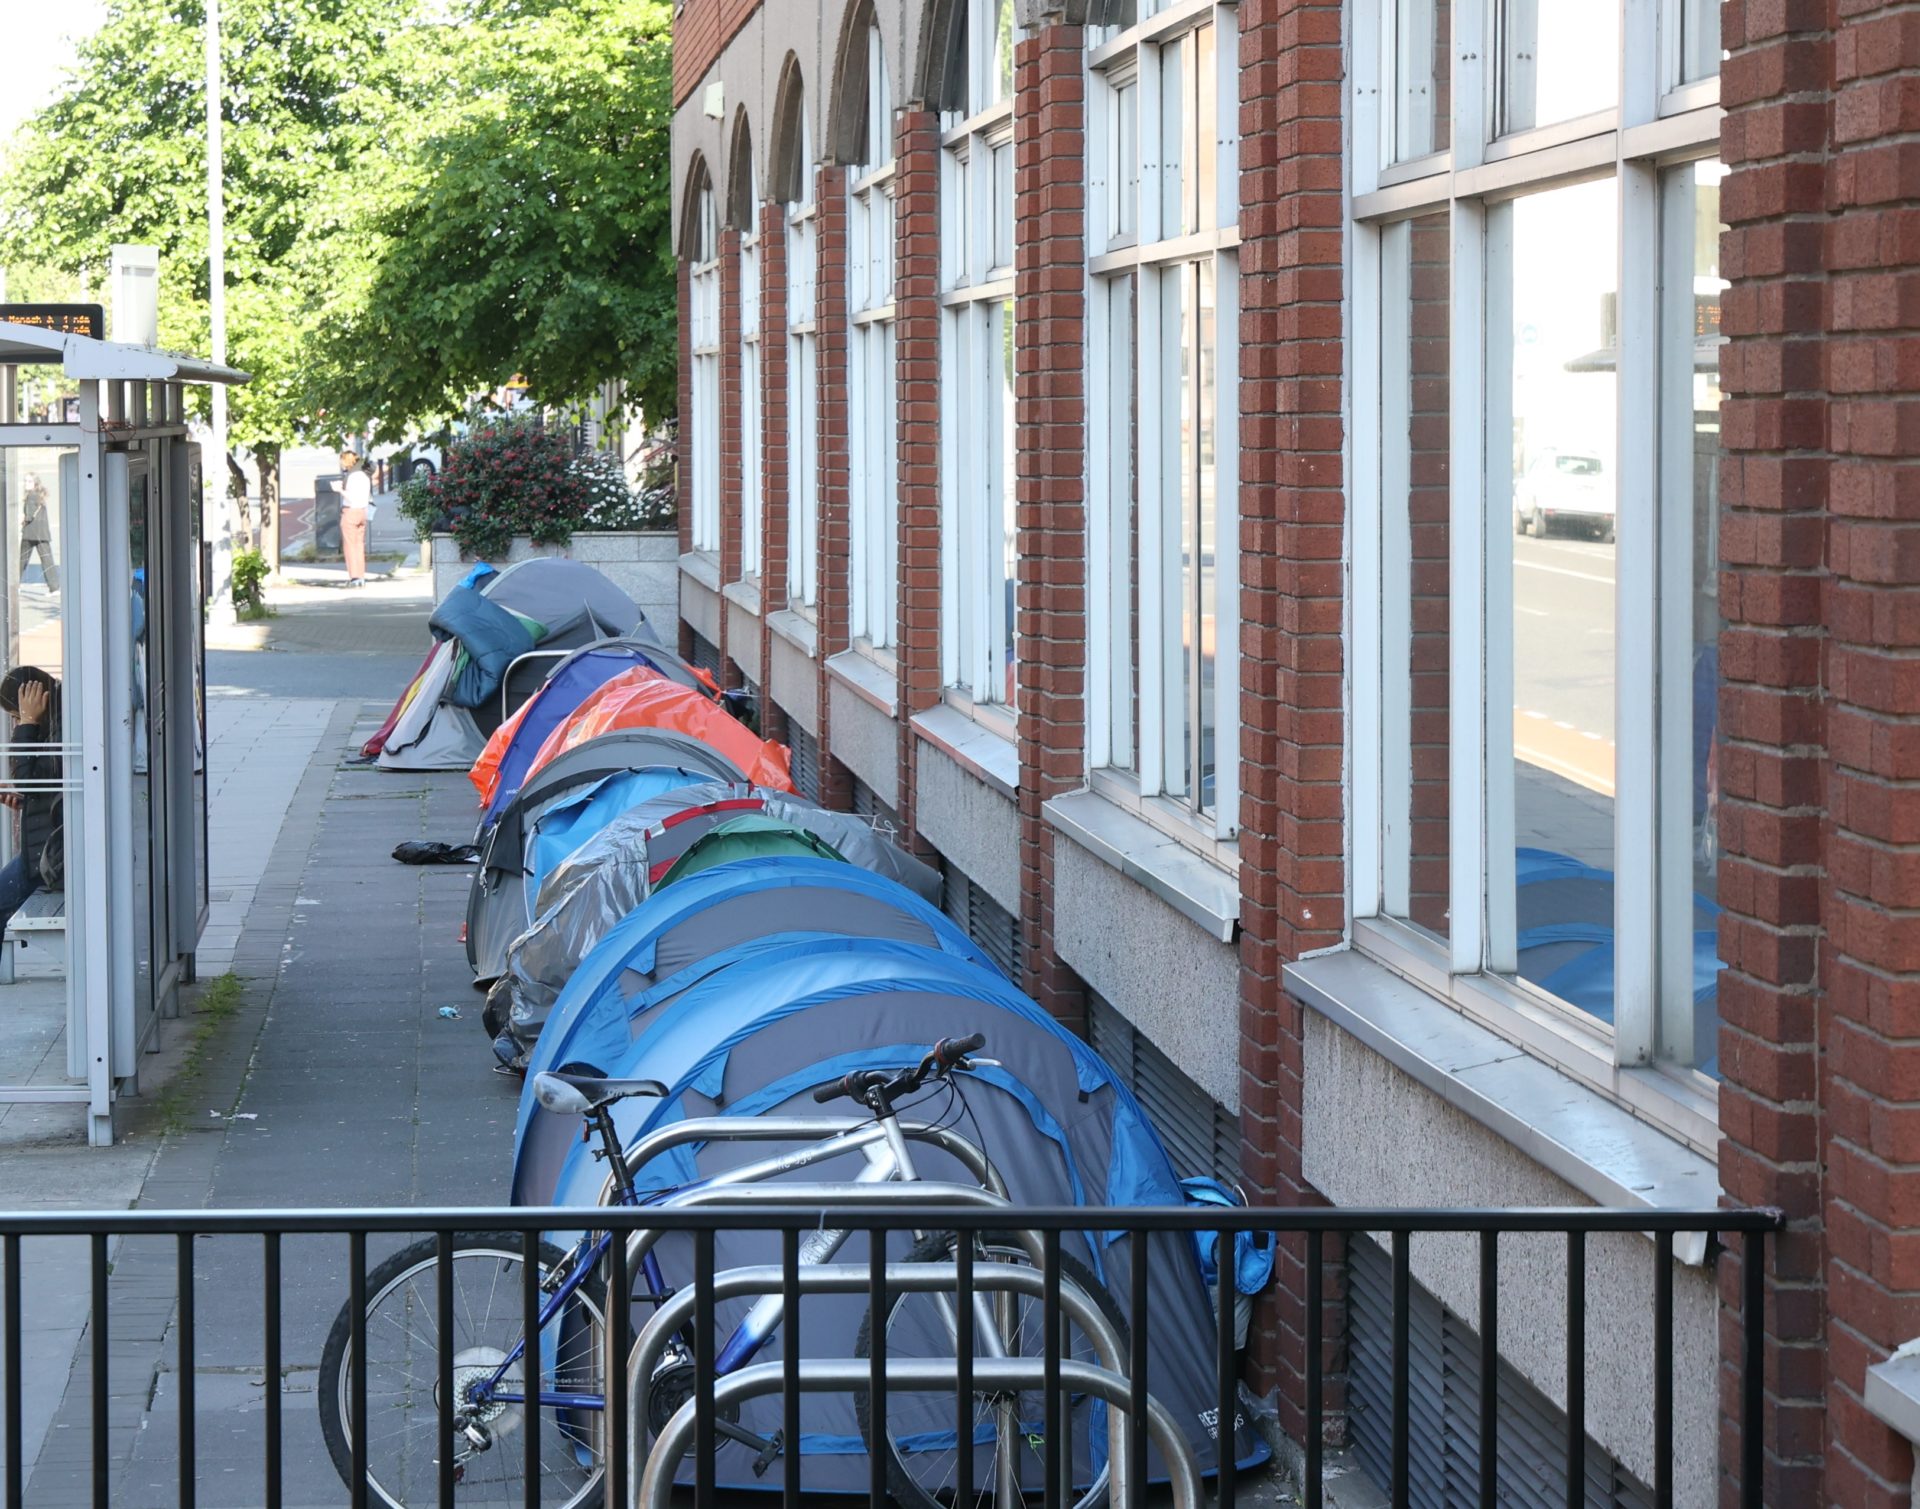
{"points": [[1629, 146], [1132, 245], [751, 397], [803, 389], [704, 320], [975, 292], [873, 447]]}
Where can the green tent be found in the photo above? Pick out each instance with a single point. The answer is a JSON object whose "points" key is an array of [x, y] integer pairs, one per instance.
{"points": [[752, 835]]}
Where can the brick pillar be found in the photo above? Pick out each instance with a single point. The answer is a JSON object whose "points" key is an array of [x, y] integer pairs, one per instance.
{"points": [[916, 241], [773, 422], [1292, 873], [831, 602], [732, 428], [683, 442], [1050, 446], [1772, 733]]}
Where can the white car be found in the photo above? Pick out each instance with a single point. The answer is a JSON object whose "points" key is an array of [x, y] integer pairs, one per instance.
{"points": [[1565, 488]]}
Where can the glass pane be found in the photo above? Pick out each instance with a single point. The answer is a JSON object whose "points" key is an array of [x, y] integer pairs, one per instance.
{"points": [[1000, 73], [1203, 130], [1181, 676], [142, 511], [1205, 534], [40, 486], [1003, 205], [1418, 604], [1564, 486], [1009, 528], [1422, 69], [1123, 503], [1561, 60], [1124, 177], [1700, 51], [1174, 150], [1691, 440]]}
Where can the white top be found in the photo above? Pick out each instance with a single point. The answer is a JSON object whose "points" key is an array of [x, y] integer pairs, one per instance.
{"points": [[356, 491]]}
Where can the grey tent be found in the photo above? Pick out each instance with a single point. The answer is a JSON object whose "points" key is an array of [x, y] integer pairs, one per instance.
{"points": [[757, 1035], [501, 633], [500, 903], [614, 871]]}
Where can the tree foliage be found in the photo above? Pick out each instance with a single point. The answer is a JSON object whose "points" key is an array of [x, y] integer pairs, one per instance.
{"points": [[310, 89], [524, 230]]}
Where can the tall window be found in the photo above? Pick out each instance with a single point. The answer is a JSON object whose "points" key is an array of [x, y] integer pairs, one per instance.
{"points": [[876, 529], [1535, 631], [750, 501], [978, 540], [1163, 228], [803, 383], [704, 318]]}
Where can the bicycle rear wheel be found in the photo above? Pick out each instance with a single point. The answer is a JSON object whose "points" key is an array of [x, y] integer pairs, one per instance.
{"points": [[922, 1456], [403, 1405]]}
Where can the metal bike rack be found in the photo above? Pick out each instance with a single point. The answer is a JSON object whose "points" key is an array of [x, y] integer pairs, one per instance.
{"points": [[919, 1377], [854, 1278], [792, 1128], [825, 1197]]}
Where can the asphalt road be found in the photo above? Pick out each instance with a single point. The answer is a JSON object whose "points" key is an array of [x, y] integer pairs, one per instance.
{"points": [[1564, 660]]}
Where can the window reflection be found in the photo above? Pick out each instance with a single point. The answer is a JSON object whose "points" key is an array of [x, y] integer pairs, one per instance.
{"points": [[1557, 60]]}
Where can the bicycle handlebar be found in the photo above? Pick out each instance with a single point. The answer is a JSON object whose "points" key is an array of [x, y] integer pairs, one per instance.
{"points": [[948, 1054]]}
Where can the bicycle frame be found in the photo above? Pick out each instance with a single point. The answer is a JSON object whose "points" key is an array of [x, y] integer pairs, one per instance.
{"points": [[881, 1142]]}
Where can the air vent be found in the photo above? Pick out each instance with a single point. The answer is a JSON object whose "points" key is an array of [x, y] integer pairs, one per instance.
{"points": [[995, 929], [1444, 1398], [1201, 1135], [805, 765]]}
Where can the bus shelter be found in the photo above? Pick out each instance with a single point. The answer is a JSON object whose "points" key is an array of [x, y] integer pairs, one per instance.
{"points": [[103, 581]]}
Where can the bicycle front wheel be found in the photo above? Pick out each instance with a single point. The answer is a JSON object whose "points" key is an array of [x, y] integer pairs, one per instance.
{"points": [[1009, 1430], [403, 1379]]}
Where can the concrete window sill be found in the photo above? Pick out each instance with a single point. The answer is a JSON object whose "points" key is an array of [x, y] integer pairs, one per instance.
{"points": [[977, 750], [799, 632], [865, 678], [1202, 892], [1609, 1155], [743, 594], [702, 567]]}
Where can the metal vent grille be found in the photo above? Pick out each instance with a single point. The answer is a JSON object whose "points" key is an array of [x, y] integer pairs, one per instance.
{"points": [[1201, 1135], [805, 765], [884, 819], [706, 655], [1444, 1406], [995, 929]]}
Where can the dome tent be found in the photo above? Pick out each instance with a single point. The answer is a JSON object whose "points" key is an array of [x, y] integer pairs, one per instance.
{"points": [[751, 835], [708, 922], [641, 698], [484, 625], [758, 1036], [497, 912], [614, 871], [503, 764]]}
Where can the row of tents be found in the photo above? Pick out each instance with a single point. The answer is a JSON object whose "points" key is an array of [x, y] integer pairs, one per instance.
{"points": [[652, 899]]}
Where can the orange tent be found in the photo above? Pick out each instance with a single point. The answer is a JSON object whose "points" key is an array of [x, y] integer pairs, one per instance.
{"points": [[641, 698]]}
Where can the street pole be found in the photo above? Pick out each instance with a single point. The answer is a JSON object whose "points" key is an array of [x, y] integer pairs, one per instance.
{"points": [[214, 467]]}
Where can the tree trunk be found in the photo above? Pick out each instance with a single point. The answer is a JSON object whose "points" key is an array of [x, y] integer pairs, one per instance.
{"points": [[236, 496], [267, 457]]}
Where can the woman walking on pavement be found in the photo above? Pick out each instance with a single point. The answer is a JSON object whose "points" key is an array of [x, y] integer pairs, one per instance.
{"points": [[356, 497], [36, 533]]}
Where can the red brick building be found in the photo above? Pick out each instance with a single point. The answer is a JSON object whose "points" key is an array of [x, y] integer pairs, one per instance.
{"points": [[1375, 545]]}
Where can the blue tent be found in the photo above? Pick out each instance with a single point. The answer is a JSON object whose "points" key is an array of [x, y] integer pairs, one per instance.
{"points": [[707, 923], [567, 685], [758, 1035]]}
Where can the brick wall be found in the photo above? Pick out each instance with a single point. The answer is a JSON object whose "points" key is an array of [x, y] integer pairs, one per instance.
{"points": [[1772, 726], [1050, 442], [1291, 519], [916, 239], [701, 31]]}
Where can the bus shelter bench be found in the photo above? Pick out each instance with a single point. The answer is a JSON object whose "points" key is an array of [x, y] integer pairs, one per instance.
{"points": [[35, 945]]}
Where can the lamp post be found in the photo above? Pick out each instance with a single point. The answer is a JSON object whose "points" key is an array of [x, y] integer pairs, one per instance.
{"points": [[222, 516]]}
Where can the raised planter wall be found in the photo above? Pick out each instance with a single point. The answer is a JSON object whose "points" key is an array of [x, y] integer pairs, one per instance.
{"points": [[644, 566]]}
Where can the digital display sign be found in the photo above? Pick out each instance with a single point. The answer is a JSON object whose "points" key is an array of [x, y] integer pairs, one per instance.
{"points": [[68, 319]]}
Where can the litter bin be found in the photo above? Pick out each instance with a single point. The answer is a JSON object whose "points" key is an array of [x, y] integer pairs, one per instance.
{"points": [[326, 514]]}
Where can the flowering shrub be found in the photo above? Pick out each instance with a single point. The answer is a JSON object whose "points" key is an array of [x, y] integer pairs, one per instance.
{"points": [[514, 477]]}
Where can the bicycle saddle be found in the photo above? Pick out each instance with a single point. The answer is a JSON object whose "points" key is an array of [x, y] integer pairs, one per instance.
{"points": [[577, 1094]]}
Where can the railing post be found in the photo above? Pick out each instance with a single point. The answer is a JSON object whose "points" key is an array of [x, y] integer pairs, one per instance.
{"points": [[1489, 1369], [183, 1360], [1576, 1369], [1753, 1369]]}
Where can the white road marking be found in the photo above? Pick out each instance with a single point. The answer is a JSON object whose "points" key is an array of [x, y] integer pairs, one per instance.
{"points": [[1585, 576]]}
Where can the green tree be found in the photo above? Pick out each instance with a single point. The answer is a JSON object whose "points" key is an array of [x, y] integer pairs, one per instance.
{"points": [[525, 229], [310, 93]]}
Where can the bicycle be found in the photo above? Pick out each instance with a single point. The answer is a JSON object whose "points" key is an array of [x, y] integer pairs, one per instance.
{"points": [[490, 1375]]}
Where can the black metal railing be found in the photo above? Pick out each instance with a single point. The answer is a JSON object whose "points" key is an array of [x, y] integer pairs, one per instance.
{"points": [[969, 1280]]}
